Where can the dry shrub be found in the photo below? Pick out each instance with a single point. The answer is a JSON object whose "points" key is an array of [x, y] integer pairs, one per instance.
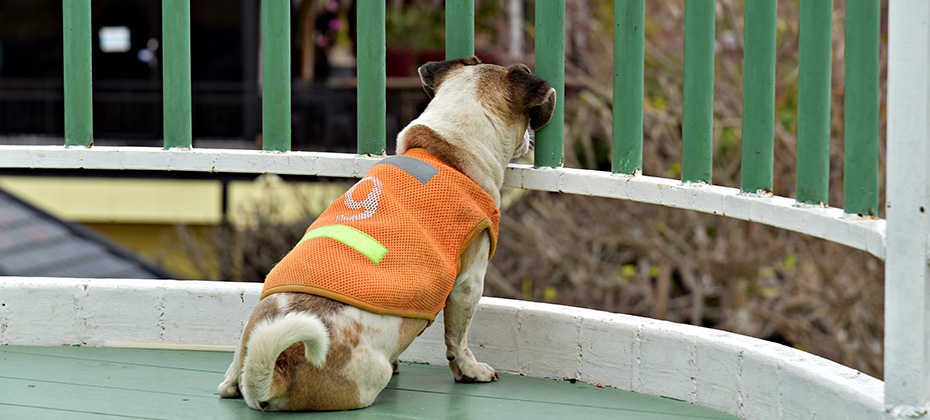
{"points": [[694, 268], [237, 253], [258, 234]]}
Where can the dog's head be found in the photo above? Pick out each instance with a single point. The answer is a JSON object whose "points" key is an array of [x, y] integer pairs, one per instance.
{"points": [[512, 97]]}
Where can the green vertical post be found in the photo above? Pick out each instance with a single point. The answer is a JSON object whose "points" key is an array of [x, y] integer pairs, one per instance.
{"points": [[276, 75], [861, 104], [176, 61], [758, 96], [460, 29], [79, 104], [372, 77], [629, 38], [698, 92], [550, 66], [814, 74]]}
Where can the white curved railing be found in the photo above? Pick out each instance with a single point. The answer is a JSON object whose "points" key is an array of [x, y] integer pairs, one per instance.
{"points": [[828, 223], [743, 376]]}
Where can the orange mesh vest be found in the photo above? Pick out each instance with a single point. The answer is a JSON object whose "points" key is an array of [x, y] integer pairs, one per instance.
{"points": [[392, 243]]}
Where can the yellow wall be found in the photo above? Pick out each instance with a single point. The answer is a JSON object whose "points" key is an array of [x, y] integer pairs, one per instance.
{"points": [[111, 200], [157, 243]]}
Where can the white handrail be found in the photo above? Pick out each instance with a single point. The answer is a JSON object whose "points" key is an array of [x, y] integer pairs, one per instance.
{"points": [[823, 222]]}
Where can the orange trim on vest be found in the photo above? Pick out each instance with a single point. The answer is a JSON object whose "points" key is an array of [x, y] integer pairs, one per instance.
{"points": [[425, 228]]}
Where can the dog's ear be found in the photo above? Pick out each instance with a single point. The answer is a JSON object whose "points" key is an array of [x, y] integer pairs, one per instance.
{"points": [[431, 73], [544, 107], [538, 96]]}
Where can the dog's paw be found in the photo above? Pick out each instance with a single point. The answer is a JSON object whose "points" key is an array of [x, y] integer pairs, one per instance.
{"points": [[473, 371], [229, 389]]}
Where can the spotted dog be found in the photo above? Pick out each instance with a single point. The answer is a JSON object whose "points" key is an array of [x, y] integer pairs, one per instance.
{"points": [[411, 238]]}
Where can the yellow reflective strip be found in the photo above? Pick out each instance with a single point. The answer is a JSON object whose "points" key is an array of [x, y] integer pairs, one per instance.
{"points": [[351, 237]]}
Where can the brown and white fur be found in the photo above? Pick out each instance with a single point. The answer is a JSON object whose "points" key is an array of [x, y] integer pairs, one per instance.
{"points": [[304, 352]]}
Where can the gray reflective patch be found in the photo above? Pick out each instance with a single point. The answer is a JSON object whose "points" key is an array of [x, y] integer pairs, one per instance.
{"points": [[418, 168]]}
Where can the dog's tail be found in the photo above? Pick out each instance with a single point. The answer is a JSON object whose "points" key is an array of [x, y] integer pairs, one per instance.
{"points": [[271, 337]]}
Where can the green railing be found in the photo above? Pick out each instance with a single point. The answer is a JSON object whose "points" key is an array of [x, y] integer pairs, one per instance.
{"points": [[79, 117], [176, 27], [697, 132], [629, 41], [861, 107], [758, 96], [813, 140], [814, 71], [276, 75], [372, 78], [550, 66]]}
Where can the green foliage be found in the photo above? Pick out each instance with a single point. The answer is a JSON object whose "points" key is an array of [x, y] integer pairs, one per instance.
{"points": [[415, 27]]}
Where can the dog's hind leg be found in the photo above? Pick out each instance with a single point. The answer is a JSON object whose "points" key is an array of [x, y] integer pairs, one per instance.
{"points": [[266, 309], [460, 308], [229, 388]]}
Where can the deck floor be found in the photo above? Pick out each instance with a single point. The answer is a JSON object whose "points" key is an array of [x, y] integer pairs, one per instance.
{"points": [[38, 383]]}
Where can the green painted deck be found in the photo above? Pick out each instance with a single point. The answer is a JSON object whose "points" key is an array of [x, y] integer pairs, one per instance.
{"points": [[38, 383]]}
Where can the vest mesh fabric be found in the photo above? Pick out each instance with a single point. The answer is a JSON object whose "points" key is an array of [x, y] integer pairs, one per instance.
{"points": [[425, 228]]}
